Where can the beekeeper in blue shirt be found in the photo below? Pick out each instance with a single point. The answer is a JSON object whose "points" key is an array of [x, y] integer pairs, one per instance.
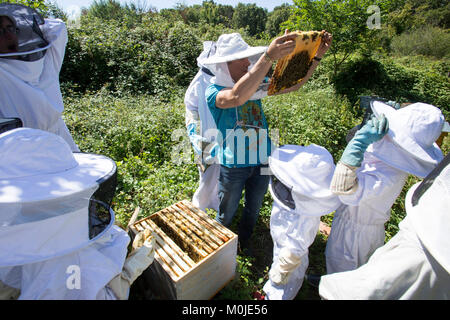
{"points": [[242, 131], [202, 128]]}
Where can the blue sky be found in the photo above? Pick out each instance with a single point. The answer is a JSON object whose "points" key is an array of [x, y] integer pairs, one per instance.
{"points": [[74, 6]]}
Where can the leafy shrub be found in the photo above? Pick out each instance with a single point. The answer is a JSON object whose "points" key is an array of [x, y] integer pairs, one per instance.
{"points": [[154, 57], [124, 127], [387, 78], [315, 116], [429, 41], [136, 132]]}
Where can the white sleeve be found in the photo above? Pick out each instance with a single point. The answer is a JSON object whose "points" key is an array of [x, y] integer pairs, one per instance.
{"points": [[191, 100], [55, 32], [377, 183]]}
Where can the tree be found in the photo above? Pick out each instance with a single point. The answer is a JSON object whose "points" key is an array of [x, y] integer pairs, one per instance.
{"points": [[106, 10], [54, 11], [410, 14], [250, 17], [346, 20], [275, 18], [130, 14], [214, 14], [46, 8], [39, 5]]}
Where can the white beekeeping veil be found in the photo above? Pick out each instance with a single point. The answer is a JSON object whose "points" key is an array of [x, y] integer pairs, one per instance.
{"points": [[301, 179], [32, 44], [52, 201]]}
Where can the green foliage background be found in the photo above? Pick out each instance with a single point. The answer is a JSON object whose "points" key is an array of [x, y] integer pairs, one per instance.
{"points": [[126, 69]]}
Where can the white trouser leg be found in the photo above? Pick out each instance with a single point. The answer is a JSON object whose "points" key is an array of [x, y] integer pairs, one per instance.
{"points": [[206, 195]]}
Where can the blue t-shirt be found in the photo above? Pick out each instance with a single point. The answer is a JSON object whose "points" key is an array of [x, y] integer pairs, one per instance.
{"points": [[243, 134]]}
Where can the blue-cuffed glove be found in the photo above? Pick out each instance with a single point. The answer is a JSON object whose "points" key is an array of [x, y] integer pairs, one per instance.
{"points": [[204, 148], [372, 131], [212, 151], [195, 139]]}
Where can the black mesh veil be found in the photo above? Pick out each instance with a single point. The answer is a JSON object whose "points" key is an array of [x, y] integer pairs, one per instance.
{"points": [[7, 124], [282, 192], [100, 211]]}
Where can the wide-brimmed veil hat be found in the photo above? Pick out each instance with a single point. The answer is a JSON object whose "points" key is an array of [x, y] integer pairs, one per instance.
{"points": [[303, 174], [31, 41], [410, 142], [52, 201], [427, 206], [209, 48], [231, 47]]}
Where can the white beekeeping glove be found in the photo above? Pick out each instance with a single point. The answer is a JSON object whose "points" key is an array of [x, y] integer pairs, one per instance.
{"points": [[344, 179], [287, 262], [140, 259]]}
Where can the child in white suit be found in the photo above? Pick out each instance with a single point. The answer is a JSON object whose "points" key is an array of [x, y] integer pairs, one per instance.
{"points": [[300, 189]]}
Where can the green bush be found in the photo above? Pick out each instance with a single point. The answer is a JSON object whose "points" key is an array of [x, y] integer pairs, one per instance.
{"points": [[154, 57], [311, 116], [387, 78], [137, 133], [125, 127], [428, 41]]}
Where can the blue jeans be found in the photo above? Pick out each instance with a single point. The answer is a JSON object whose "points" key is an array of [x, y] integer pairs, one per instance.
{"points": [[232, 181]]}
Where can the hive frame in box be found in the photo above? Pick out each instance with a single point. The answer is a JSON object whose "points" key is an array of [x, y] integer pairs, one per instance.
{"points": [[177, 275]]}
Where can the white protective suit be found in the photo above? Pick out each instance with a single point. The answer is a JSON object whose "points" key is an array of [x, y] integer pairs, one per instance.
{"points": [[57, 234], [415, 263], [200, 121], [358, 227], [307, 171], [30, 90], [81, 275]]}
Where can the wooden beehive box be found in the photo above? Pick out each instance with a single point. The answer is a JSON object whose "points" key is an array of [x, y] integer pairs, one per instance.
{"points": [[195, 255]]}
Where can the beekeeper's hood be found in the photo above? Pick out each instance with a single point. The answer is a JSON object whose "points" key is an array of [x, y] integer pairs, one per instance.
{"points": [[52, 201], [410, 144], [301, 179], [209, 49], [427, 205], [229, 47], [31, 41]]}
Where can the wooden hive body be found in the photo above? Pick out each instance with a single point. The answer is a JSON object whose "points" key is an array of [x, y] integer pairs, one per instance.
{"points": [[195, 256]]}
